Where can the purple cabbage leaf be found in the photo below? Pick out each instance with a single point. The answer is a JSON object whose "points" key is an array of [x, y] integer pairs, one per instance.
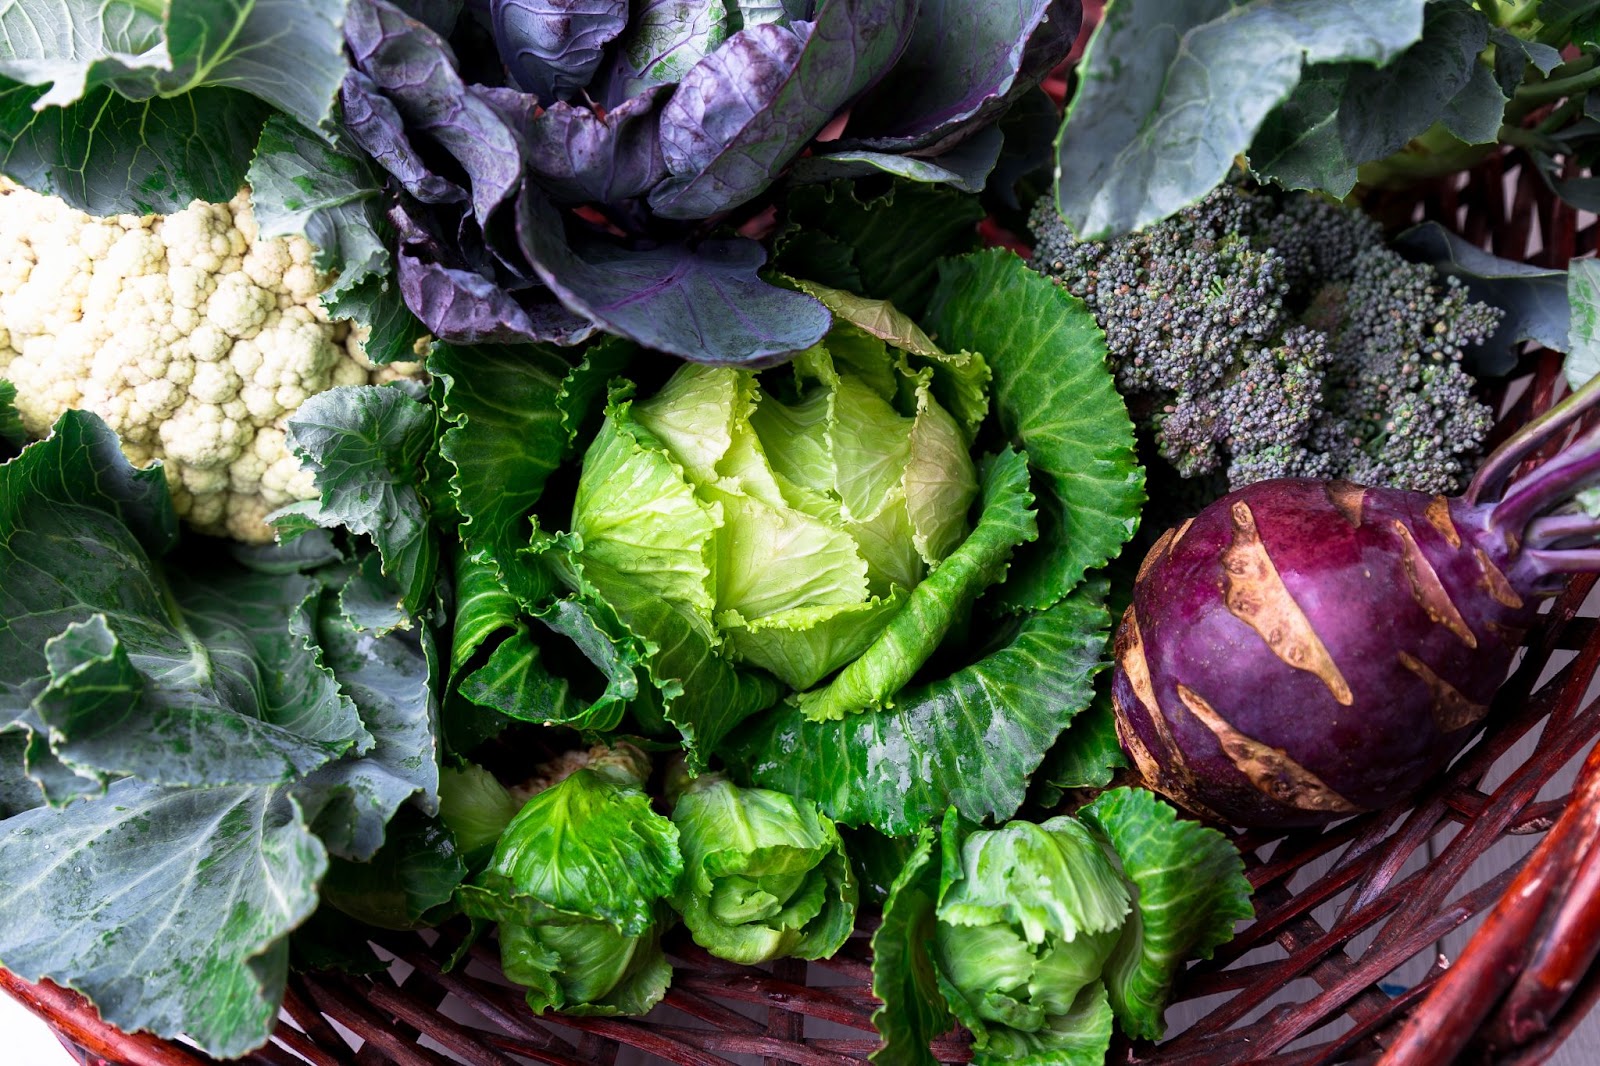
{"points": [[580, 156], [552, 48], [377, 128], [705, 303], [965, 62], [665, 38], [742, 113], [415, 68], [965, 167]]}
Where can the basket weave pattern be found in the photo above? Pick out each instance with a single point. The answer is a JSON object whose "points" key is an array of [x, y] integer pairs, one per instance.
{"points": [[1515, 993]]}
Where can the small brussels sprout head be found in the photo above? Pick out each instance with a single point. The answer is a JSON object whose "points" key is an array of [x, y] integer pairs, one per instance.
{"points": [[765, 874], [477, 808], [1027, 917], [578, 884]]}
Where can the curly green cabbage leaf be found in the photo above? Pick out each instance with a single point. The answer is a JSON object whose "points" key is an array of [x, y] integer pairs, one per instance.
{"points": [[766, 875], [578, 884]]}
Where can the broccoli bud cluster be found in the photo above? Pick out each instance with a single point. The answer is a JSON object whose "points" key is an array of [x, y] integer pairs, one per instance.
{"points": [[1258, 336]]}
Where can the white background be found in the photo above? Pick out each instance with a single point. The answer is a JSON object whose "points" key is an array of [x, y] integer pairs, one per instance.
{"points": [[28, 1041]]}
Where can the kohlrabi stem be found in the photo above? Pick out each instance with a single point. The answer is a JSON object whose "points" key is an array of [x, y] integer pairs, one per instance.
{"points": [[1552, 529], [1492, 475], [1562, 560], [1576, 467]]}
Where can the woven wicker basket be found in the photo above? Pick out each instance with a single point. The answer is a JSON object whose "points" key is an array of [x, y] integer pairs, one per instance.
{"points": [[1340, 912]]}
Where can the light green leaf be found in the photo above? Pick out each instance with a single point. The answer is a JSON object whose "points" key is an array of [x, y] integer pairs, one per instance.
{"points": [[302, 186], [872, 680], [692, 416], [640, 520], [970, 740], [366, 444], [183, 899], [1583, 339], [903, 977], [586, 847], [1055, 398], [1191, 891], [804, 645], [705, 696], [939, 484], [775, 559], [765, 875], [1173, 90], [1049, 880], [477, 808]]}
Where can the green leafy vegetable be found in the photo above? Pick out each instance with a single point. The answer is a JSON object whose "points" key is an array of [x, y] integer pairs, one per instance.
{"points": [[140, 108], [301, 185], [1173, 90], [476, 808], [193, 942], [365, 444], [766, 876], [1191, 891], [1055, 400], [408, 883], [577, 885], [970, 739]]}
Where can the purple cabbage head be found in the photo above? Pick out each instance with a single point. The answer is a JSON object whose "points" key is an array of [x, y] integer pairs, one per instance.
{"points": [[565, 166]]}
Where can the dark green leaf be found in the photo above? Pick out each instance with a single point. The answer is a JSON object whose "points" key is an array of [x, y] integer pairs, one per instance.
{"points": [[1344, 115], [18, 792], [407, 884], [375, 304], [970, 740], [895, 240], [903, 977], [370, 600], [583, 391], [302, 186], [392, 680], [206, 677], [506, 437], [366, 444], [168, 908], [1055, 398], [11, 432], [1191, 891], [1173, 90], [1088, 754]]}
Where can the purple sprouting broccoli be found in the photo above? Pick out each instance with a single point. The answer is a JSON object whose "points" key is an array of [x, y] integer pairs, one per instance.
{"points": [[1305, 649], [1258, 336]]}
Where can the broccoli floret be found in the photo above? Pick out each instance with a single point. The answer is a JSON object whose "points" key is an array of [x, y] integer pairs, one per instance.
{"points": [[1264, 337]]}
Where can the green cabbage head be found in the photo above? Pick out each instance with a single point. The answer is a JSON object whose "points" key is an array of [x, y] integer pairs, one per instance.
{"points": [[789, 513], [578, 884], [765, 873], [1028, 916]]}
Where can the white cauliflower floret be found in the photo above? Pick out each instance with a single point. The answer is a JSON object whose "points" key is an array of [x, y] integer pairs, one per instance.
{"points": [[193, 338]]}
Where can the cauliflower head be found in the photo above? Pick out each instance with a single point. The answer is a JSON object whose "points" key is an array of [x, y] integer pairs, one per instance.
{"points": [[193, 337]]}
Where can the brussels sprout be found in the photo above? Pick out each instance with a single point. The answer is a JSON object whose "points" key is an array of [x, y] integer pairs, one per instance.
{"points": [[789, 514], [765, 874], [578, 884]]}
